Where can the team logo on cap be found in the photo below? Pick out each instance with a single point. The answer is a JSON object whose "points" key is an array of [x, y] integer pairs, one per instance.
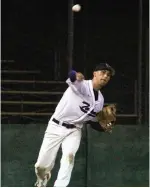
{"points": [[107, 65]]}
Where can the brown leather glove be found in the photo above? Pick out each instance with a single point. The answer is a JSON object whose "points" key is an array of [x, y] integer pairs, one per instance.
{"points": [[107, 117]]}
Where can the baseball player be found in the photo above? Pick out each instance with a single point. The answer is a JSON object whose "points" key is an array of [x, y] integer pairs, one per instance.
{"points": [[79, 104]]}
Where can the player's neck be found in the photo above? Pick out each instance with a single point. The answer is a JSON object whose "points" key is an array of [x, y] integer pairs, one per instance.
{"points": [[95, 85]]}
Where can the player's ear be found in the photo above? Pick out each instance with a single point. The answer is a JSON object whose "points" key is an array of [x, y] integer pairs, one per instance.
{"points": [[94, 73]]}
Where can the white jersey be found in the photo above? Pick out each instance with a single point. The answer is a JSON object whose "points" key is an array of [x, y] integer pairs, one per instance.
{"points": [[78, 104]]}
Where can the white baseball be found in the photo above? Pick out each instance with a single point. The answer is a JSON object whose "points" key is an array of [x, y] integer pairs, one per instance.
{"points": [[76, 8]]}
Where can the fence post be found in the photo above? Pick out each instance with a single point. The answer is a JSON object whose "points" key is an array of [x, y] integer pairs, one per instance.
{"points": [[140, 64], [70, 34]]}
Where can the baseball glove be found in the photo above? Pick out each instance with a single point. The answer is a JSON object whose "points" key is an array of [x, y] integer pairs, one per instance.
{"points": [[107, 117]]}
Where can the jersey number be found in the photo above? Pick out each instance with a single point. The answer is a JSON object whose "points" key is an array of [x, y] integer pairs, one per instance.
{"points": [[85, 108]]}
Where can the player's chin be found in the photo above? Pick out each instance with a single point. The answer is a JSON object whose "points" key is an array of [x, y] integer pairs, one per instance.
{"points": [[103, 84]]}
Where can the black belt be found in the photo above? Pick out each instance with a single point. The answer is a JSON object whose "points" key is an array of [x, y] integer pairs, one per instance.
{"points": [[68, 126]]}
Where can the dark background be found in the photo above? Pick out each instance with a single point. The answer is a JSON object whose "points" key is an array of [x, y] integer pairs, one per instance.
{"points": [[35, 37], [105, 30]]}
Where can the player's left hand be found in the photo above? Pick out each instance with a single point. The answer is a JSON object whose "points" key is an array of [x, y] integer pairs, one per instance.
{"points": [[107, 118], [79, 76]]}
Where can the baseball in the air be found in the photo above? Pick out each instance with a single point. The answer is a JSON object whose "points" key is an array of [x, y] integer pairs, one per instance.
{"points": [[76, 8]]}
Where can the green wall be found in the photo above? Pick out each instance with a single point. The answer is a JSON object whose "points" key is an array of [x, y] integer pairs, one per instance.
{"points": [[119, 159]]}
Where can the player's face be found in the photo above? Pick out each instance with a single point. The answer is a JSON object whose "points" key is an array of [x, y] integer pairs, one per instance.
{"points": [[102, 77]]}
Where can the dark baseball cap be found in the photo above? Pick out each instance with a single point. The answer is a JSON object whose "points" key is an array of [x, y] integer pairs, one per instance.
{"points": [[105, 66]]}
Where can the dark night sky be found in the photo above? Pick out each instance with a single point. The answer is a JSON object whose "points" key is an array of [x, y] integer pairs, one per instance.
{"points": [[106, 30]]}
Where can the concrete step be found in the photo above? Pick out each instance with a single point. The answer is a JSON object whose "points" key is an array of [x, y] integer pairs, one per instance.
{"points": [[31, 96], [27, 106], [27, 75], [20, 72], [12, 65], [33, 85]]}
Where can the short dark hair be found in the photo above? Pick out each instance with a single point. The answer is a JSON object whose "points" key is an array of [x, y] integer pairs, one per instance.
{"points": [[105, 66]]}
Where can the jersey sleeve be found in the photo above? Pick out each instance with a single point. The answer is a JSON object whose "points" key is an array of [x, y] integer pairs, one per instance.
{"points": [[77, 86]]}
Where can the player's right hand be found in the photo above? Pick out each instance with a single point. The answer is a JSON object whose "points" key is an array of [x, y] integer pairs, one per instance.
{"points": [[79, 76]]}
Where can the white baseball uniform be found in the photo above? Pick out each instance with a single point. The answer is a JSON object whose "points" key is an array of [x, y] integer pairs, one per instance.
{"points": [[76, 107]]}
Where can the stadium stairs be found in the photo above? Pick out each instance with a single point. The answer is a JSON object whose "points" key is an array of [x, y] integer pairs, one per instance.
{"points": [[27, 97]]}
